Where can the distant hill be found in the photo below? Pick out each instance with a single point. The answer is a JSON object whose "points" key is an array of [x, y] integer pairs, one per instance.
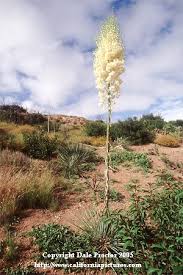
{"points": [[19, 115], [70, 120]]}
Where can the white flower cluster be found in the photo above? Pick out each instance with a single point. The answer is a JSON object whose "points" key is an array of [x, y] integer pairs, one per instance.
{"points": [[109, 62]]}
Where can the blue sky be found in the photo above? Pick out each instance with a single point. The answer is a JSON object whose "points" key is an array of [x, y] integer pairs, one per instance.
{"points": [[46, 55]]}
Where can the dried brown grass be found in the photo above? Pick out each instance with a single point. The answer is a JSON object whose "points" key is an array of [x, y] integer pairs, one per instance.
{"points": [[21, 190]]}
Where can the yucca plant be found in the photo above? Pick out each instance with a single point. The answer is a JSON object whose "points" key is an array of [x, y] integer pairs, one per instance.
{"points": [[108, 66], [75, 159], [103, 237]]}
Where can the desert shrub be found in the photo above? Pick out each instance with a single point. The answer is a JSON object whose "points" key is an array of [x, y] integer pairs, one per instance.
{"points": [[75, 159], [94, 141], [24, 190], [152, 122], [165, 177], [132, 129], [7, 140], [95, 128], [8, 199], [72, 134], [113, 195], [36, 193], [169, 128], [127, 157], [152, 228], [122, 142], [173, 130], [23, 129], [38, 145], [16, 159], [177, 123], [9, 248], [61, 237], [166, 140], [18, 115]]}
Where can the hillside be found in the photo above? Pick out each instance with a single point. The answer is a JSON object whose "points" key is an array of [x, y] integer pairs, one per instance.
{"points": [[52, 189], [19, 115], [69, 120]]}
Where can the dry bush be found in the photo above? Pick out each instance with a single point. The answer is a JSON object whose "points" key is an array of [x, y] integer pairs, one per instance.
{"points": [[16, 159], [8, 197], [11, 135], [95, 141], [166, 140], [23, 129], [20, 190], [15, 129]]}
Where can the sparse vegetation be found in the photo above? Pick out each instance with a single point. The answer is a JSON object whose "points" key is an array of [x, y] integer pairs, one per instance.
{"points": [[66, 166], [10, 248], [127, 157], [151, 228], [122, 142], [113, 195]]}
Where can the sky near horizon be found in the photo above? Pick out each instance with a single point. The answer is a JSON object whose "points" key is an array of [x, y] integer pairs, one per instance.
{"points": [[46, 60]]}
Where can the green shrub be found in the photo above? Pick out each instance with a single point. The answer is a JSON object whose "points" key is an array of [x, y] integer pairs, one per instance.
{"points": [[75, 159], [152, 122], [139, 159], [113, 195], [57, 239], [177, 123], [169, 128], [132, 129], [153, 228], [38, 145], [95, 128], [9, 248]]}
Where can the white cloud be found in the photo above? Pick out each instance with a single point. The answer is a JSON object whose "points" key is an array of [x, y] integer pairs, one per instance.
{"points": [[172, 114], [36, 56], [171, 109]]}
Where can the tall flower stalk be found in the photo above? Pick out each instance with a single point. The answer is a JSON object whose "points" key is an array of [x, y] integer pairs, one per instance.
{"points": [[108, 67]]}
